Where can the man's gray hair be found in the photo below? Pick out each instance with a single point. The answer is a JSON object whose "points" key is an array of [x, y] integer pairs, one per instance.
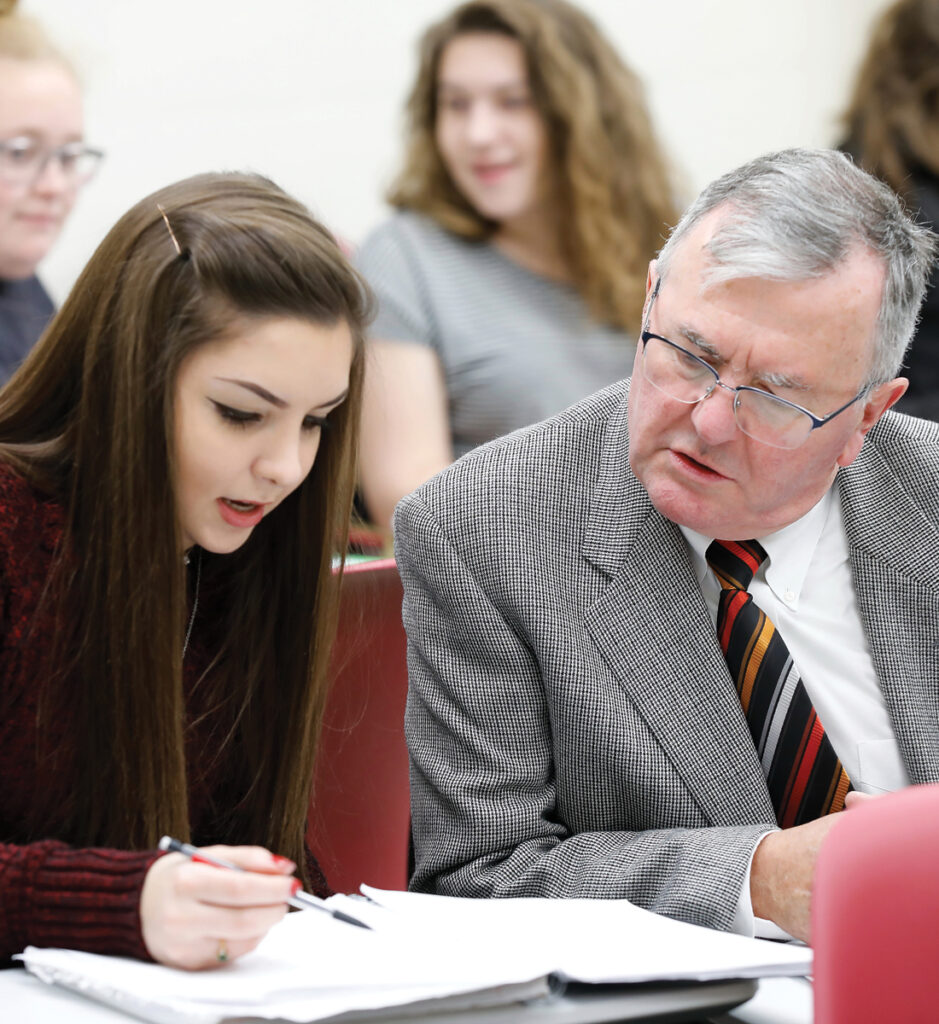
{"points": [[798, 214]]}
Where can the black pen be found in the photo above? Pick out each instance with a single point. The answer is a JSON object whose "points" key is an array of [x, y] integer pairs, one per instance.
{"points": [[300, 899]]}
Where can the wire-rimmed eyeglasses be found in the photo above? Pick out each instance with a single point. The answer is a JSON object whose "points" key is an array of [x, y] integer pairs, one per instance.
{"points": [[23, 159], [687, 378]]}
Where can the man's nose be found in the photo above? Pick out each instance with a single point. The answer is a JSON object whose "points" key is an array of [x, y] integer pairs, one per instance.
{"points": [[713, 417]]}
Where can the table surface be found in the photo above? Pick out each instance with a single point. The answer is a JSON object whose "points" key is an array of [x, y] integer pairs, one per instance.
{"points": [[777, 1001]]}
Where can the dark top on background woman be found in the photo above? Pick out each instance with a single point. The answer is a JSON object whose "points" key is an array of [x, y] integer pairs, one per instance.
{"points": [[25, 310]]}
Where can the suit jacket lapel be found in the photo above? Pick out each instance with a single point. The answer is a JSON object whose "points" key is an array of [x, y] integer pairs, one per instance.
{"points": [[895, 564], [677, 681]]}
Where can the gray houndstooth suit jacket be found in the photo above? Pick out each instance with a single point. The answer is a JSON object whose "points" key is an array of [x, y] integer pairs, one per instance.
{"points": [[572, 726]]}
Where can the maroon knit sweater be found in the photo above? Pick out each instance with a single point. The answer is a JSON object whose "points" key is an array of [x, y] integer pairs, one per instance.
{"points": [[52, 894]]}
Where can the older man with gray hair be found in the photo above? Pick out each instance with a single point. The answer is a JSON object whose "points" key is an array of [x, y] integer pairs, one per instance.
{"points": [[658, 642]]}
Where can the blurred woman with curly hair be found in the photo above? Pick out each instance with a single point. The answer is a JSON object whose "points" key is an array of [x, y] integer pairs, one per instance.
{"points": [[511, 278]]}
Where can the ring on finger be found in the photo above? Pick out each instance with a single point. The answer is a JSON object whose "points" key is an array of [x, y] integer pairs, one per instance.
{"points": [[221, 953]]}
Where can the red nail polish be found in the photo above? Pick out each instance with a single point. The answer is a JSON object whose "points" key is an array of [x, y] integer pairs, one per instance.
{"points": [[295, 887], [282, 862]]}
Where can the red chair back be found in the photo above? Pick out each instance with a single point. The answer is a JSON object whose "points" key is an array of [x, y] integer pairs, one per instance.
{"points": [[359, 824], [875, 910]]}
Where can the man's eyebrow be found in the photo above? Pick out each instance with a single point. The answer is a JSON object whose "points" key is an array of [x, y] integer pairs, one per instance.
{"points": [[785, 380], [690, 334], [772, 379], [257, 390]]}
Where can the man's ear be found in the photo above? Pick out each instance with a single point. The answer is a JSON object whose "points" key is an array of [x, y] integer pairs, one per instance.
{"points": [[875, 405], [881, 399], [651, 278]]}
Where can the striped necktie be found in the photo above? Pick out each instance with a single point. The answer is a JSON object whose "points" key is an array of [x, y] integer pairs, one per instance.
{"points": [[803, 774]]}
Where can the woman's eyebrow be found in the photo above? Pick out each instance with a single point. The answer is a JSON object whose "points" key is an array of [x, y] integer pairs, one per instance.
{"points": [[334, 401], [459, 89], [280, 403], [256, 389]]}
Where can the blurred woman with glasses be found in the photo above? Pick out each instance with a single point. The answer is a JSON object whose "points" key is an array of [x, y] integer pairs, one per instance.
{"points": [[511, 280], [43, 163]]}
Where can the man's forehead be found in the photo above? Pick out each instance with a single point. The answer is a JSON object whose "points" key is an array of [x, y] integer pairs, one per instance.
{"points": [[787, 326], [693, 253]]}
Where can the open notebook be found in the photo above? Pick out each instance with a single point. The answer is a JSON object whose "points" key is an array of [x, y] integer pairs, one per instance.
{"points": [[424, 953]]}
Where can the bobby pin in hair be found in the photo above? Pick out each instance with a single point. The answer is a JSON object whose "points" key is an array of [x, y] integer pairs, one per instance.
{"points": [[183, 255]]}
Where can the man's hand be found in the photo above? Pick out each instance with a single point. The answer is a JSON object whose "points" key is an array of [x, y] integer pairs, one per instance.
{"points": [[856, 799], [783, 871]]}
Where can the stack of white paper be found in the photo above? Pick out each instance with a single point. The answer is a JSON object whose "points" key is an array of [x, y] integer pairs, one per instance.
{"points": [[471, 952]]}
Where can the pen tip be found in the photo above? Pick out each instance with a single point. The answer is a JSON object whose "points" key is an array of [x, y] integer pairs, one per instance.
{"points": [[340, 916]]}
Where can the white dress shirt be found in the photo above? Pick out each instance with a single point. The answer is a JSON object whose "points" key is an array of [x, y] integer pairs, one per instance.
{"points": [[805, 589]]}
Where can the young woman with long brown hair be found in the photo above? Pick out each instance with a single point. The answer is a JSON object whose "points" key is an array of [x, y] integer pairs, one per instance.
{"points": [[43, 164], [176, 471], [511, 279]]}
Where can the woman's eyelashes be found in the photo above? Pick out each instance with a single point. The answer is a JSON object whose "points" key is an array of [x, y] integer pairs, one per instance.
{"points": [[316, 423], [457, 103], [238, 417], [242, 418]]}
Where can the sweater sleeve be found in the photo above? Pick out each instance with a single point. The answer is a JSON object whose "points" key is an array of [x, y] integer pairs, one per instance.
{"points": [[50, 893], [54, 895]]}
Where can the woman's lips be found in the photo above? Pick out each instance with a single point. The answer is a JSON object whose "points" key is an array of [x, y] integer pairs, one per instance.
{"points": [[242, 514], [40, 221], [488, 174]]}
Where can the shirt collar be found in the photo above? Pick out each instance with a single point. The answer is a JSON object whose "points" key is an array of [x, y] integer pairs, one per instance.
{"points": [[789, 550]]}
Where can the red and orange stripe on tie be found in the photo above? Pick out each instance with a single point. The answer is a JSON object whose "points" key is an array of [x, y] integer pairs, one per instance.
{"points": [[803, 774]]}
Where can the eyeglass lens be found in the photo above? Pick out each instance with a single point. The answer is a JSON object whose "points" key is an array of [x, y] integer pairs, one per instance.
{"points": [[22, 160], [684, 377]]}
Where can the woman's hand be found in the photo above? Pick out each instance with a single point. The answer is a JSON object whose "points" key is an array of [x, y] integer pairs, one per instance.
{"points": [[196, 916]]}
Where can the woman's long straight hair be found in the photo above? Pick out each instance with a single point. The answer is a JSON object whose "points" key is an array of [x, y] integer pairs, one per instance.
{"points": [[89, 420]]}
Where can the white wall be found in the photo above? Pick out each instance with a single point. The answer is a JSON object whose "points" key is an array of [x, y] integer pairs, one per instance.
{"points": [[310, 91]]}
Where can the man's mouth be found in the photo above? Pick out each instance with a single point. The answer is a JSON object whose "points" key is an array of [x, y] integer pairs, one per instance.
{"points": [[696, 465]]}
